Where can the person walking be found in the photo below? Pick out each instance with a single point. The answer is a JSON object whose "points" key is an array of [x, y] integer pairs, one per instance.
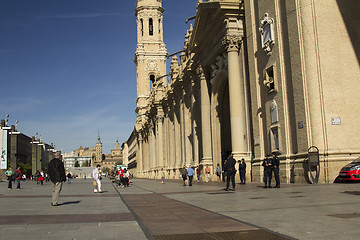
{"points": [[18, 176], [9, 174], [126, 176], [183, 173], [198, 172], [242, 171], [69, 178], [41, 177], [57, 176], [97, 178], [267, 164], [276, 163], [207, 173], [230, 170], [218, 172], [190, 173], [162, 175]]}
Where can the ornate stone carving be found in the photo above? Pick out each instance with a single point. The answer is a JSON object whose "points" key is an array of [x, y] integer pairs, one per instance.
{"points": [[221, 63], [267, 33], [274, 112], [232, 42], [151, 65], [200, 72], [140, 47]]}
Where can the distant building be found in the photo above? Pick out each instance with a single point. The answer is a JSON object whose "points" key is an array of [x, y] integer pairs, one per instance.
{"points": [[70, 160], [31, 154], [116, 157], [129, 152], [94, 156]]}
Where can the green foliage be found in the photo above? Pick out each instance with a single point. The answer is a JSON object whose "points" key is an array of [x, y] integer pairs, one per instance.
{"points": [[85, 164], [25, 168], [76, 164]]}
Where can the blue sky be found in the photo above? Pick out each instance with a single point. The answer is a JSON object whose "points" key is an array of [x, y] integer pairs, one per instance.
{"points": [[67, 70]]}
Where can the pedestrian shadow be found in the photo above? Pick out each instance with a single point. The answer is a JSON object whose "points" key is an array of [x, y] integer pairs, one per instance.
{"points": [[71, 202]]}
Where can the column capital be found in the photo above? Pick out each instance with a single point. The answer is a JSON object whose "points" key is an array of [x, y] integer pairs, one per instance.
{"points": [[200, 72], [160, 114], [140, 137], [232, 42]]}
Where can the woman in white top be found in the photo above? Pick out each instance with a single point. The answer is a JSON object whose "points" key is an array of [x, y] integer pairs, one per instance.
{"points": [[97, 178]]}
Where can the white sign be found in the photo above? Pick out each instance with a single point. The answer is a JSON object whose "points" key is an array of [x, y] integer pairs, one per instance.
{"points": [[335, 121], [3, 149]]}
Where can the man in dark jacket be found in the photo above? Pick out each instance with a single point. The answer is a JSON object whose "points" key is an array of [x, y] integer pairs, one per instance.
{"points": [[276, 163], [242, 171], [267, 164], [229, 169], [57, 176]]}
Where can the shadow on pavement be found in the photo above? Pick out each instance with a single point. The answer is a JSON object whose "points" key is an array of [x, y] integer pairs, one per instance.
{"points": [[68, 203]]}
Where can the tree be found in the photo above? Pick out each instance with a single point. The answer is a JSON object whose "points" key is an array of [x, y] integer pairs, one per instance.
{"points": [[25, 168], [85, 163], [76, 164]]}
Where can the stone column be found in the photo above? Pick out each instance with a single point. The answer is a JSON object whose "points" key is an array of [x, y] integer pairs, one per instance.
{"points": [[205, 120], [187, 126], [160, 143], [152, 150], [166, 140], [177, 134], [172, 149], [147, 155], [182, 126], [236, 97], [139, 155], [195, 143]]}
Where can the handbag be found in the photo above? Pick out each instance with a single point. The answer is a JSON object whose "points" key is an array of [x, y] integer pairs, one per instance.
{"points": [[94, 183]]}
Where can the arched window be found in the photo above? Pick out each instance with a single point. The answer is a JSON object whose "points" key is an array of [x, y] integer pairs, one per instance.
{"points": [[152, 79], [151, 27]]}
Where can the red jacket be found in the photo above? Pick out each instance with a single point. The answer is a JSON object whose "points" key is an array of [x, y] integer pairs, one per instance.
{"points": [[20, 174], [121, 172]]}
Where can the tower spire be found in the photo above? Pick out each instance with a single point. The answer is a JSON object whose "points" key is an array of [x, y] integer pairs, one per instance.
{"points": [[99, 138]]}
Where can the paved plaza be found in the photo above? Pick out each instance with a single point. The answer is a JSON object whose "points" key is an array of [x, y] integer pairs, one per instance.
{"points": [[151, 210]]}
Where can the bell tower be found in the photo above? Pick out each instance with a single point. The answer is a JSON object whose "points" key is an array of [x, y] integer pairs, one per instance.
{"points": [[150, 55], [98, 151]]}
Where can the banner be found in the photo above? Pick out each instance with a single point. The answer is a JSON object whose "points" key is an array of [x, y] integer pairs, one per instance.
{"points": [[3, 148]]}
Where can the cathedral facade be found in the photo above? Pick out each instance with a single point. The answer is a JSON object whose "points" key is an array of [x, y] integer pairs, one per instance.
{"points": [[253, 78]]}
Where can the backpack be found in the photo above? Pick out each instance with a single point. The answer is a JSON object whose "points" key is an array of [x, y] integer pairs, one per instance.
{"points": [[17, 174]]}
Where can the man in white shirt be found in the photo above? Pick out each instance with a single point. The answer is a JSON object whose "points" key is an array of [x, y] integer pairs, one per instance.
{"points": [[97, 178]]}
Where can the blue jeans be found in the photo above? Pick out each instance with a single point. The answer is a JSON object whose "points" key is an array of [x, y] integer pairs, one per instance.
{"points": [[190, 180], [9, 183]]}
